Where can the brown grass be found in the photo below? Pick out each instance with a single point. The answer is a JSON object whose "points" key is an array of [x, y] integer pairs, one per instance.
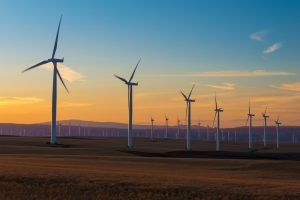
{"points": [[103, 169]]}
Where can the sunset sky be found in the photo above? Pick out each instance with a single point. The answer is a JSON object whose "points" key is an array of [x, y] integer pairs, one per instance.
{"points": [[238, 49]]}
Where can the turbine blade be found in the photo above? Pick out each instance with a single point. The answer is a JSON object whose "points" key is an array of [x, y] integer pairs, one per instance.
{"points": [[56, 39], [62, 81], [249, 108], [191, 91], [122, 79], [213, 125], [247, 121], [266, 109], [216, 101], [184, 95], [34, 66], [134, 71]]}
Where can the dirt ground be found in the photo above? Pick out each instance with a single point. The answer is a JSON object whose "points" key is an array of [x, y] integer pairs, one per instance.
{"points": [[103, 168]]}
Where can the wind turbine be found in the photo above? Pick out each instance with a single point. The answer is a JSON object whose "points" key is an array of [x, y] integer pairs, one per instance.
{"points": [[265, 116], [129, 83], [250, 117], [178, 128], [152, 121], [199, 126], [277, 131], [218, 110], [56, 73], [207, 133], [167, 125], [188, 115]]}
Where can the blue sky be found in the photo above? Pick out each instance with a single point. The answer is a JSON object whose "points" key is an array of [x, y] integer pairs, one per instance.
{"points": [[173, 37]]}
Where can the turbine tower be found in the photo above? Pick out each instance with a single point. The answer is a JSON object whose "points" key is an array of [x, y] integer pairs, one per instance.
{"points": [[277, 131], [129, 83], [178, 128], [188, 115], [265, 116], [56, 73], [250, 117], [218, 110], [167, 126], [152, 121]]}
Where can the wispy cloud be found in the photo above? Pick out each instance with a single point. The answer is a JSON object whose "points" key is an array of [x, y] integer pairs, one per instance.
{"points": [[4, 101], [223, 86], [66, 72], [288, 86], [274, 47], [254, 73], [75, 104], [259, 36]]}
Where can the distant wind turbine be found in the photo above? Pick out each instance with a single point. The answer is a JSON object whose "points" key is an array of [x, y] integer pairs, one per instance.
{"points": [[129, 83], [188, 115], [265, 116], [277, 131], [199, 126], [178, 128], [56, 72], [152, 121], [167, 126], [218, 110], [250, 117]]}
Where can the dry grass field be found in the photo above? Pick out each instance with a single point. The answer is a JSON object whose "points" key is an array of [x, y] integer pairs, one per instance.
{"points": [[103, 168]]}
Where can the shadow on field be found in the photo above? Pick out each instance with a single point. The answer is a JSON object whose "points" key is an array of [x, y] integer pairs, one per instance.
{"points": [[219, 155]]}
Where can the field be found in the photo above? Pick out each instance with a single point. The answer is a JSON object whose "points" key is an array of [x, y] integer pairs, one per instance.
{"points": [[103, 168]]}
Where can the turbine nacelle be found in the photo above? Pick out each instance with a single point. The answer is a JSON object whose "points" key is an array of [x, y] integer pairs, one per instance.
{"points": [[219, 110], [56, 60], [265, 116]]}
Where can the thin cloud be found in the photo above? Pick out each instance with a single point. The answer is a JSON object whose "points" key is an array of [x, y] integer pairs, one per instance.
{"points": [[259, 36], [288, 86], [75, 104], [223, 86], [4, 101], [230, 74], [66, 72], [274, 47]]}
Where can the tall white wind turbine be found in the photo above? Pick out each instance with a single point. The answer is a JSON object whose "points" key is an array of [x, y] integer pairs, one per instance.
{"points": [[250, 117], [218, 110], [265, 116], [56, 73], [188, 115], [277, 132], [129, 83]]}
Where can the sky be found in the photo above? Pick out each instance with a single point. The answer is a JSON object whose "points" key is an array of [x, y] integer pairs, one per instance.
{"points": [[240, 50]]}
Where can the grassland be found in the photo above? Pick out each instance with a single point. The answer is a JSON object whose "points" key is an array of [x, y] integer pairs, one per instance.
{"points": [[103, 168]]}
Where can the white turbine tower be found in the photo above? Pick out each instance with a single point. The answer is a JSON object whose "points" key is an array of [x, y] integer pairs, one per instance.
{"points": [[217, 114], [277, 131], [56, 73], [188, 115], [152, 121], [130, 84], [250, 117], [265, 116]]}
